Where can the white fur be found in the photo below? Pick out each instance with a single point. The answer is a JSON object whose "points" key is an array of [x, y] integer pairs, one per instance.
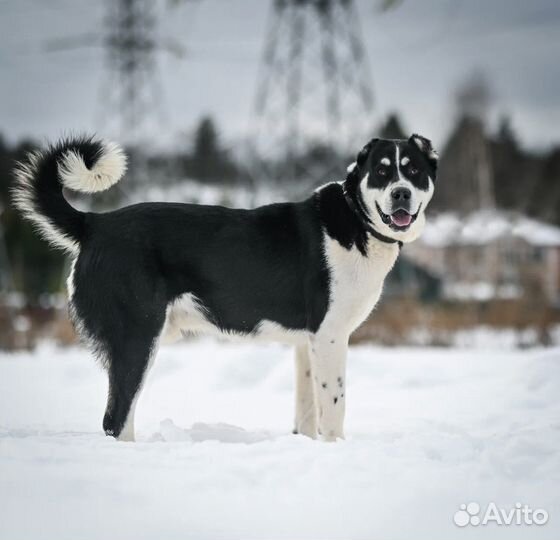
{"points": [[405, 161], [356, 285], [24, 200], [70, 280], [107, 171], [306, 413], [355, 282], [385, 161], [351, 167], [397, 152], [187, 315], [127, 433], [432, 154]]}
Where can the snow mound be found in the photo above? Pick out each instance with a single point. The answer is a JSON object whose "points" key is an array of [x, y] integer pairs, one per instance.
{"points": [[200, 432]]}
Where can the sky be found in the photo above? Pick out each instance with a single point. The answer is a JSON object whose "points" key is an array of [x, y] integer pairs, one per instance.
{"points": [[419, 53]]}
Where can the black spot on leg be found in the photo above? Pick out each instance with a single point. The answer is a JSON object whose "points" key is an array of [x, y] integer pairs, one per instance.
{"points": [[324, 385], [341, 395], [335, 400], [340, 382], [332, 340], [308, 373]]}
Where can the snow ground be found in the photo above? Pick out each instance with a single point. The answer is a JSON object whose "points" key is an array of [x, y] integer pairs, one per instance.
{"points": [[427, 430]]}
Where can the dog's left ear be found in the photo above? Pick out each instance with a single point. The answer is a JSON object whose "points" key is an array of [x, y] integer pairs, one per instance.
{"points": [[425, 146], [361, 157], [364, 152], [353, 169]]}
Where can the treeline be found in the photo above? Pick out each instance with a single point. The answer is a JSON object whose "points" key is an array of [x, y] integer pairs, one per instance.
{"points": [[205, 159], [476, 168], [479, 169]]}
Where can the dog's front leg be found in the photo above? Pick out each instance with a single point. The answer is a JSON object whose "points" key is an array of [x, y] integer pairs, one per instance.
{"points": [[328, 368]]}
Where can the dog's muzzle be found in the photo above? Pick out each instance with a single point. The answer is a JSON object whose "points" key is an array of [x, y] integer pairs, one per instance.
{"points": [[400, 218]]}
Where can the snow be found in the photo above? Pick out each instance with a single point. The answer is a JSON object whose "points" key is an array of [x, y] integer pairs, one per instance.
{"points": [[427, 430], [536, 232], [486, 226], [192, 191], [480, 291]]}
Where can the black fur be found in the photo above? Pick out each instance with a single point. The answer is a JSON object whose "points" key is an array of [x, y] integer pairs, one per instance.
{"points": [[341, 223], [245, 266]]}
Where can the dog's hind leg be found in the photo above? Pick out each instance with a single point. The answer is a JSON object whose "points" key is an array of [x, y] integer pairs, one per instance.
{"points": [[306, 416], [127, 369]]}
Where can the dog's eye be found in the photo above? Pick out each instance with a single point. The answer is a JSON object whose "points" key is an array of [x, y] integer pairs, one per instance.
{"points": [[413, 171], [381, 171]]}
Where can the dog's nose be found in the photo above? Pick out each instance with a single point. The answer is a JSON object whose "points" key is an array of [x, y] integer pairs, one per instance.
{"points": [[401, 194]]}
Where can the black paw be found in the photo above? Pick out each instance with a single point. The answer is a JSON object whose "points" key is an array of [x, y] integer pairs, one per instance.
{"points": [[109, 426]]}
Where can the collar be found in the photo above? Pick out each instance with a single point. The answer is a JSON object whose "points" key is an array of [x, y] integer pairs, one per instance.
{"points": [[365, 221]]}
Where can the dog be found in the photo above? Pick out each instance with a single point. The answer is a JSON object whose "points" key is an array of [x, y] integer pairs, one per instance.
{"points": [[305, 273]]}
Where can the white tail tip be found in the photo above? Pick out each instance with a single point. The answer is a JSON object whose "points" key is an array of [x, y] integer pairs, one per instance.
{"points": [[107, 170]]}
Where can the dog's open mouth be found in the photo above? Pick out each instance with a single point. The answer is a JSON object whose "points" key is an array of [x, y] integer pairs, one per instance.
{"points": [[399, 220]]}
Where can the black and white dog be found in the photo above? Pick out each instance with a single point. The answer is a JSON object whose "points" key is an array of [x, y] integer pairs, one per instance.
{"points": [[306, 273]]}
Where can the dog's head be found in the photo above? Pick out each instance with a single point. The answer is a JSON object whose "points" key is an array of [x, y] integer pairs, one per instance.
{"points": [[392, 182]]}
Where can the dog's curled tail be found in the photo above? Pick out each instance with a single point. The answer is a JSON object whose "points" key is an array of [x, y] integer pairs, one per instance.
{"points": [[82, 164]]}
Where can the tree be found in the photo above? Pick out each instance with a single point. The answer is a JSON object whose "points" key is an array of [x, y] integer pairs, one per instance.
{"points": [[506, 134], [34, 266], [544, 198], [466, 162], [209, 161], [392, 128], [511, 169]]}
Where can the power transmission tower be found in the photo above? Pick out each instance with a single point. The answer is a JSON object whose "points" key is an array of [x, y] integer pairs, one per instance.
{"points": [[314, 94], [132, 91], [130, 48]]}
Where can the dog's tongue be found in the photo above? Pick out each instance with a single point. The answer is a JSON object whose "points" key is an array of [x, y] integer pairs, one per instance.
{"points": [[401, 218]]}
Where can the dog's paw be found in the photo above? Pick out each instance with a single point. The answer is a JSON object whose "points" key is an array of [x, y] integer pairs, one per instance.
{"points": [[311, 433], [332, 436]]}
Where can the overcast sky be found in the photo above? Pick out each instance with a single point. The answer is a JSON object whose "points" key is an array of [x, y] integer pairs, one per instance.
{"points": [[419, 53]]}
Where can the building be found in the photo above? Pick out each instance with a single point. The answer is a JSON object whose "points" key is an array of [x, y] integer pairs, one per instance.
{"points": [[490, 254]]}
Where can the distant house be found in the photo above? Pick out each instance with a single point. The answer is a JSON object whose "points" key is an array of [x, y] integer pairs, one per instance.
{"points": [[490, 254], [411, 280]]}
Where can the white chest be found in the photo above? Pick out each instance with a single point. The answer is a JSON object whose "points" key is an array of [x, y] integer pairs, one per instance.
{"points": [[356, 282]]}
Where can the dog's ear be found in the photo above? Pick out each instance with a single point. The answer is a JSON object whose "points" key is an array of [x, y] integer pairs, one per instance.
{"points": [[364, 152], [425, 146], [361, 157]]}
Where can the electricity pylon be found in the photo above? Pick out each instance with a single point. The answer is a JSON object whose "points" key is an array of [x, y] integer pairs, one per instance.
{"points": [[314, 98]]}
